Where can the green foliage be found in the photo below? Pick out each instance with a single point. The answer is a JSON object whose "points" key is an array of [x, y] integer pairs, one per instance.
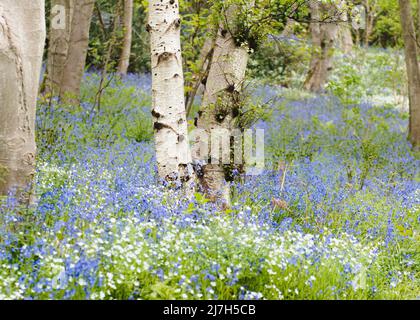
{"points": [[195, 29], [140, 129], [291, 142], [371, 138], [376, 75], [291, 59], [251, 22], [101, 34], [251, 113], [387, 29], [347, 86]]}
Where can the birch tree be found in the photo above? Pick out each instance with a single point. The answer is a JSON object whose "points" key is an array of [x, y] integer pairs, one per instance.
{"points": [[69, 40], [413, 70], [324, 30], [168, 107], [219, 108], [22, 37], [128, 30]]}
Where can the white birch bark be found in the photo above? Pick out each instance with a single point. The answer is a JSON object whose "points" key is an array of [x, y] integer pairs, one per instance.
{"points": [[22, 37], [219, 107], [126, 49], [168, 102]]}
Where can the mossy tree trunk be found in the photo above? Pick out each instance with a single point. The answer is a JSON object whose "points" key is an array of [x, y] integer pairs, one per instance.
{"points": [[220, 109], [22, 37]]}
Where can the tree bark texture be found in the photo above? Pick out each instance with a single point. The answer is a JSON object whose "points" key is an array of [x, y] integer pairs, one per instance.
{"points": [[344, 31], [220, 107], [68, 49], [324, 34], [128, 30], [413, 70], [168, 102], [22, 38]]}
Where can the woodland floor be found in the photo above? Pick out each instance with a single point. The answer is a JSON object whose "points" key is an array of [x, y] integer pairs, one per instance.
{"points": [[348, 226]]}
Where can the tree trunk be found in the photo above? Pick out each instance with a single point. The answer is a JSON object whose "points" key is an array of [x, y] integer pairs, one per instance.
{"points": [[128, 26], [368, 24], [344, 31], [418, 22], [59, 41], [371, 11], [324, 35], [220, 109], [413, 70], [346, 38], [288, 28], [199, 78], [68, 49], [169, 117], [22, 37]]}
